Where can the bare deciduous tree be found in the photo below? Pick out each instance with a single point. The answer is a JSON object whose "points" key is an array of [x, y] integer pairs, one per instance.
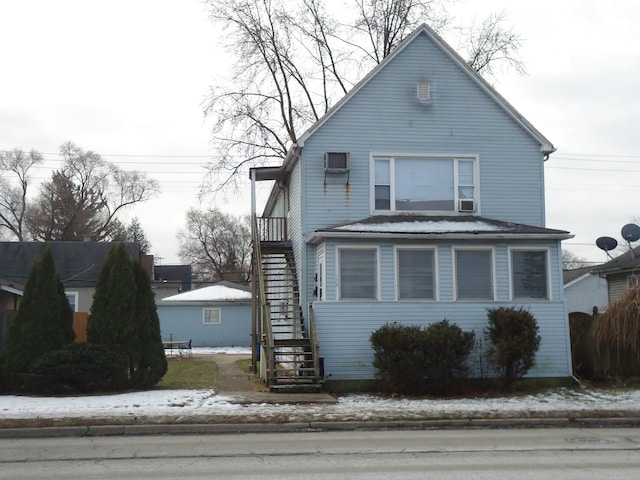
{"points": [[571, 261], [216, 245], [14, 183], [491, 44], [83, 198], [294, 59]]}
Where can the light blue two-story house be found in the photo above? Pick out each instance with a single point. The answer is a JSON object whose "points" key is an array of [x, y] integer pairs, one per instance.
{"points": [[418, 197]]}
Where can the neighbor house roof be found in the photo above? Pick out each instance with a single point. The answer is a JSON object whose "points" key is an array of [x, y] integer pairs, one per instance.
{"points": [[77, 263], [10, 287], [421, 226], [629, 261], [220, 292], [569, 277]]}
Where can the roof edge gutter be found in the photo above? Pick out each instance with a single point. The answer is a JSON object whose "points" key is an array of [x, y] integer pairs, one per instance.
{"points": [[316, 237]]}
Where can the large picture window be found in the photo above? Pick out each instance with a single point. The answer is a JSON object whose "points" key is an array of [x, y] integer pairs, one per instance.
{"points": [[358, 273], [529, 274], [474, 274], [435, 184], [416, 274]]}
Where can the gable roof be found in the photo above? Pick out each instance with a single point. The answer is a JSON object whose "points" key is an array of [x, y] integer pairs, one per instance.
{"points": [[77, 263], [629, 261], [425, 226], [220, 292], [569, 277], [545, 145]]}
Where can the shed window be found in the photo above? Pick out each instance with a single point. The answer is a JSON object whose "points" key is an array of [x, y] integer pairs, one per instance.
{"points": [[211, 316]]}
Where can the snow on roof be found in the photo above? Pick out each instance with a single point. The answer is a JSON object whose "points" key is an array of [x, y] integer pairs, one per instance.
{"points": [[214, 293], [425, 226]]}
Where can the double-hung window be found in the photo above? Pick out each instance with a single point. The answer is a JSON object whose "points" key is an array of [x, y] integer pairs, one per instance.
{"points": [[358, 273], [416, 274], [529, 274], [211, 316], [424, 183], [474, 274]]}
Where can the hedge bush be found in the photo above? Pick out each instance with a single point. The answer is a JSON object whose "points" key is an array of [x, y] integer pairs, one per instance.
{"points": [[514, 342], [75, 368], [412, 359]]}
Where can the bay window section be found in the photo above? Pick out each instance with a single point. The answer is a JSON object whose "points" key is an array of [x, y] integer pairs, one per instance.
{"points": [[423, 184], [529, 274], [416, 274], [474, 274], [358, 273]]}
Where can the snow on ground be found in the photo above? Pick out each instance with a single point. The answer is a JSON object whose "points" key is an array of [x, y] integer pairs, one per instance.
{"points": [[182, 404]]}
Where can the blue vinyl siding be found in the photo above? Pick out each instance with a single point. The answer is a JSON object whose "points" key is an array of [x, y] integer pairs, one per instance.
{"points": [[344, 329], [384, 117], [184, 322]]}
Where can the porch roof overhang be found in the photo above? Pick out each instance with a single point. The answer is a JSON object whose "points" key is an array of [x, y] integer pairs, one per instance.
{"points": [[420, 227]]}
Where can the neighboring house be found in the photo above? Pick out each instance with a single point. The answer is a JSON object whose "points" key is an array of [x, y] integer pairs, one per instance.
{"points": [[584, 290], [169, 280], [418, 197], [214, 316], [10, 295], [621, 273], [77, 263]]}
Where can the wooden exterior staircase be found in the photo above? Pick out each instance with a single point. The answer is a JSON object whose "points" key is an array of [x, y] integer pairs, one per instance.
{"points": [[288, 349]]}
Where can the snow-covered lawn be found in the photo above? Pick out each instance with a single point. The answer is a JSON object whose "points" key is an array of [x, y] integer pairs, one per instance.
{"points": [[207, 406]]}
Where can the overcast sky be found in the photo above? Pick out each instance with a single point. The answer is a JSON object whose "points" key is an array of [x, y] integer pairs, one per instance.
{"points": [[127, 78]]}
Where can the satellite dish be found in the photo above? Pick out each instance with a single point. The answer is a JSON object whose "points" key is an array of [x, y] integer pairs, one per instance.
{"points": [[631, 232], [606, 243]]}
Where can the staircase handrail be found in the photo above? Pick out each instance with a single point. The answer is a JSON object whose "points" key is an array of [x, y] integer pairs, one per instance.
{"points": [[315, 344], [264, 306]]}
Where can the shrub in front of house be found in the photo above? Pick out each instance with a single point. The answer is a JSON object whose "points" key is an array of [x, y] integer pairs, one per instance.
{"points": [[513, 342], [75, 368], [124, 319], [43, 322], [411, 359]]}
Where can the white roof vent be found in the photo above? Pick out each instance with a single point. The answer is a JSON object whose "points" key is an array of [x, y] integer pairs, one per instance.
{"points": [[424, 92]]}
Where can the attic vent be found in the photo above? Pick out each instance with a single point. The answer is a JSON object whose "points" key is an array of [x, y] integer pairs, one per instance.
{"points": [[336, 162], [424, 92]]}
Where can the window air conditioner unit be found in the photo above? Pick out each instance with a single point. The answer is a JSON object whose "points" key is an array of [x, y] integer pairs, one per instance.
{"points": [[336, 162], [467, 206]]}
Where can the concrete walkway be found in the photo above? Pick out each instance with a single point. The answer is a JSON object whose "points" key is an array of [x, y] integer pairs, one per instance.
{"points": [[244, 388]]}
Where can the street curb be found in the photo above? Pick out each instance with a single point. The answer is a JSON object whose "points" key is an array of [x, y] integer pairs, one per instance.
{"points": [[245, 428]]}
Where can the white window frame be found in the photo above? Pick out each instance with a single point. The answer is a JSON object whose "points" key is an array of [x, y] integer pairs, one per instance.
{"points": [[436, 285], [320, 277], [210, 309], [548, 266], [456, 158], [454, 270], [339, 277], [76, 296]]}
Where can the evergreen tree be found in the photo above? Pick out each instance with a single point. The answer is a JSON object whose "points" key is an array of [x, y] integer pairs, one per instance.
{"points": [[112, 318], [44, 321], [151, 363]]}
